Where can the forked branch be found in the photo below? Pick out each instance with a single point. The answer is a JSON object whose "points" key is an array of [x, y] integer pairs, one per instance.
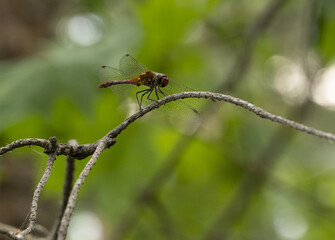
{"points": [[52, 148]]}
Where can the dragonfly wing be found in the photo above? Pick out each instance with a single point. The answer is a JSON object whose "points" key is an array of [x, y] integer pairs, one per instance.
{"points": [[129, 66], [110, 74], [182, 112], [182, 115], [122, 89]]}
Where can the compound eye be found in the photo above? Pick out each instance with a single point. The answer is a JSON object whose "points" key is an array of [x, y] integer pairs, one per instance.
{"points": [[165, 81]]}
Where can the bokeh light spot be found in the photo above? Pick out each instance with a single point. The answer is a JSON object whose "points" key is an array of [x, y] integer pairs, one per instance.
{"points": [[85, 225], [288, 223], [85, 29], [324, 89]]}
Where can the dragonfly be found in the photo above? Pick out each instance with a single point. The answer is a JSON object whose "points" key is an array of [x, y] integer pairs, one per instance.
{"points": [[131, 72], [134, 73]]}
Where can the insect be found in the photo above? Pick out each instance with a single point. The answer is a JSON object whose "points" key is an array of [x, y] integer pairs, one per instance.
{"points": [[134, 73]]}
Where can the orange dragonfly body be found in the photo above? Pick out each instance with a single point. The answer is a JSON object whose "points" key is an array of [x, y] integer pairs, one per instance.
{"points": [[134, 73]]}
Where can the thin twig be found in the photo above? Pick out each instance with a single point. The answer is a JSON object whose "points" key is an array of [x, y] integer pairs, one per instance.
{"points": [[67, 186], [62, 232], [79, 152], [70, 167], [37, 193], [24, 142], [226, 98], [8, 233]]}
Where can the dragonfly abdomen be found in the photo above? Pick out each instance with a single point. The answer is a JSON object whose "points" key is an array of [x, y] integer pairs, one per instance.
{"points": [[116, 82]]}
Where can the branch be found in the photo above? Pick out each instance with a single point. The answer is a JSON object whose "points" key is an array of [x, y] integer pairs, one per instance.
{"points": [[76, 151], [109, 140], [24, 142], [67, 186], [52, 144], [226, 98], [62, 232], [37, 193], [8, 232]]}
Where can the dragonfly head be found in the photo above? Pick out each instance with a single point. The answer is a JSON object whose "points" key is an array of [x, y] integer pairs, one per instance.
{"points": [[162, 80]]}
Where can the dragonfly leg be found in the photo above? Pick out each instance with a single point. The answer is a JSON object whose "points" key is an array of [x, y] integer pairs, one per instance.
{"points": [[156, 92], [161, 92], [148, 91], [145, 92], [148, 97]]}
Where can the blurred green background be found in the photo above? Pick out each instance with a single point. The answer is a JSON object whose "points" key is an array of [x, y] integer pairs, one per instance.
{"points": [[237, 177]]}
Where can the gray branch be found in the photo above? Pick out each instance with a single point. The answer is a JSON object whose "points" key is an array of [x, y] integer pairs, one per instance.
{"points": [[226, 98], [85, 150], [76, 151], [37, 193], [62, 232], [67, 186], [53, 149]]}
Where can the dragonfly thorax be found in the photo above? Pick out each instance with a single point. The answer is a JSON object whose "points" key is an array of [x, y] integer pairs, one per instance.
{"points": [[153, 79]]}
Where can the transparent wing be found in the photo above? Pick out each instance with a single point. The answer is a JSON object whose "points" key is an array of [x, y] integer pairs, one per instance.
{"points": [[112, 74], [122, 89], [129, 66], [189, 103], [181, 113]]}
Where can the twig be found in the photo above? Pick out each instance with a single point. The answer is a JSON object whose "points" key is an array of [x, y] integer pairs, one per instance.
{"points": [[226, 98], [40, 185], [62, 232], [24, 142], [68, 183], [79, 151], [9, 234], [67, 186]]}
